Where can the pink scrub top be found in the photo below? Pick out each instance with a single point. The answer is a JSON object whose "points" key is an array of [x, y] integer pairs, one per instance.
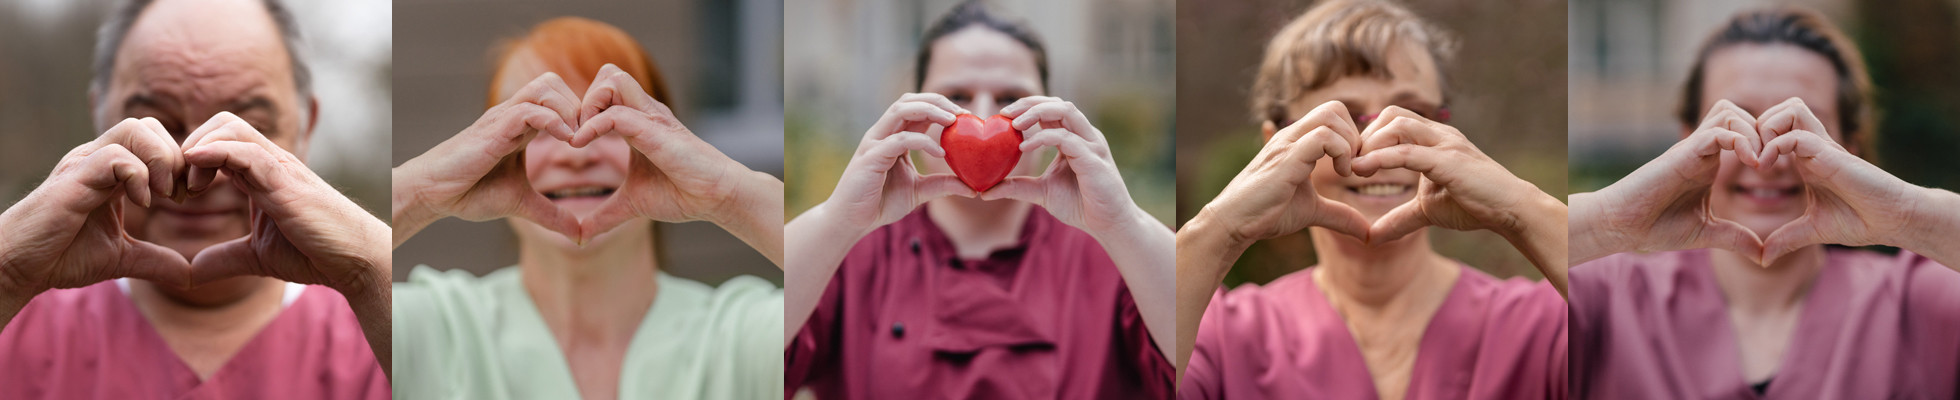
{"points": [[92, 343], [1874, 326], [1047, 318], [1492, 339]]}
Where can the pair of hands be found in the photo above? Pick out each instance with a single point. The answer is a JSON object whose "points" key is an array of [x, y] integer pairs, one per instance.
{"points": [[479, 174], [1663, 205], [69, 232], [1082, 188], [1461, 189]]}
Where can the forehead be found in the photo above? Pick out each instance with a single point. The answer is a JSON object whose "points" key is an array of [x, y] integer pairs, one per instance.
{"points": [[1413, 77], [200, 48], [1756, 77], [978, 54]]}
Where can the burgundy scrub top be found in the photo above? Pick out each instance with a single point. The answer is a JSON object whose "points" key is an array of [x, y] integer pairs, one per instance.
{"points": [[1491, 339], [1874, 326], [92, 343], [1047, 318]]}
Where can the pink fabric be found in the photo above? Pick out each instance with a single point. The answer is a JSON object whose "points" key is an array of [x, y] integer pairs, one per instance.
{"points": [[1874, 326], [1048, 318], [92, 343], [1492, 339]]}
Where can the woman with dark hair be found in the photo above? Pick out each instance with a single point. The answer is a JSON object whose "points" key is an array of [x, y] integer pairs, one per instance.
{"points": [[1737, 295], [903, 285]]}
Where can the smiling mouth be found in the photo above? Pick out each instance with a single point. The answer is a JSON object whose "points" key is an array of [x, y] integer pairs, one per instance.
{"points": [[1380, 189], [1767, 193], [580, 192]]}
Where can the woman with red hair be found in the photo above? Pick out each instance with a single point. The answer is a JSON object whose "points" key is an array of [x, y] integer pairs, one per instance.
{"points": [[580, 154]]}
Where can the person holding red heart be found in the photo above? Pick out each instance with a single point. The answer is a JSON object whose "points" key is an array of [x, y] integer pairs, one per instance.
{"points": [[580, 154], [983, 277], [1706, 273], [189, 251], [1359, 153]]}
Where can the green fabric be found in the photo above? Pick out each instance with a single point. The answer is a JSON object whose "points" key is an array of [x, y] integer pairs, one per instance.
{"points": [[458, 336]]}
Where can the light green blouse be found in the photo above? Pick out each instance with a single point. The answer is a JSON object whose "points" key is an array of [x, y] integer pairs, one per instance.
{"points": [[462, 337]]}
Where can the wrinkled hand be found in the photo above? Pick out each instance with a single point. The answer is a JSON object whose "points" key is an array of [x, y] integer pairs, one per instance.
{"points": [[1850, 201], [673, 176], [1461, 188], [880, 185], [1663, 205], [478, 175], [302, 229], [1274, 196], [68, 232], [1082, 187]]}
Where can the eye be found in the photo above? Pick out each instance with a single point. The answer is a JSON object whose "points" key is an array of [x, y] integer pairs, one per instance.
{"points": [[960, 98]]}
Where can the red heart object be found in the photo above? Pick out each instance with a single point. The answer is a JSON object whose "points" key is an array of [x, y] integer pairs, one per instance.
{"points": [[981, 152]]}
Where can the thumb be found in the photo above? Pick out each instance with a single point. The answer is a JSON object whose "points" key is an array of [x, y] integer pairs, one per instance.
{"points": [[1731, 236], [942, 185], [151, 262], [1342, 219], [540, 210], [613, 212], [1018, 188], [232, 258], [1792, 236], [1399, 222]]}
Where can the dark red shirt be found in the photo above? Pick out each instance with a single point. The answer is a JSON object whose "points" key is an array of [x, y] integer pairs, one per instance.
{"points": [[1046, 318]]}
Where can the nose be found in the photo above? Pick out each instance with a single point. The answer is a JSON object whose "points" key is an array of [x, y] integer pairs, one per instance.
{"points": [[984, 105], [557, 153]]}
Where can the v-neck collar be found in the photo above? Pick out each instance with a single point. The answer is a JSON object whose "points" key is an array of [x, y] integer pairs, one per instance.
{"points": [[553, 378], [1815, 335], [1454, 303], [182, 369]]}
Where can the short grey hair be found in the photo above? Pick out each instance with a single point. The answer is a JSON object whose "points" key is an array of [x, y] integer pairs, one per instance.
{"points": [[109, 40]]}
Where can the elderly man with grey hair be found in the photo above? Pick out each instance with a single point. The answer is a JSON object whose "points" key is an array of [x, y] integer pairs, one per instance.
{"points": [[188, 252]]}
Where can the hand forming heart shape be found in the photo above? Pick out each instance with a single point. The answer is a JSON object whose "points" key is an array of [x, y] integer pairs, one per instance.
{"points": [[672, 176]]}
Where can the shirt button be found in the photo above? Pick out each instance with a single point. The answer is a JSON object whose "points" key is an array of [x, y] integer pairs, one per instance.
{"points": [[898, 329], [915, 245]]}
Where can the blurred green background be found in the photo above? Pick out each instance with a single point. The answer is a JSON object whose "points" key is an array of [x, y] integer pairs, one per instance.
{"points": [[1507, 93], [847, 61]]}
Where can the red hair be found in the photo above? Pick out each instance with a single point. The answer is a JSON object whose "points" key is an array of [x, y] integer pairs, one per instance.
{"points": [[575, 48]]}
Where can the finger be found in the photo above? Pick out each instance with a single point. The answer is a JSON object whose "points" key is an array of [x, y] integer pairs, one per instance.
{"points": [[550, 91], [233, 258], [1803, 145], [536, 118], [935, 186], [1341, 218], [1726, 115], [656, 136], [1087, 158], [1402, 131], [611, 214], [246, 161], [934, 99], [894, 120], [1334, 115], [888, 151], [1058, 112], [1411, 157], [1790, 115], [155, 263], [1733, 236], [540, 210], [149, 142], [1789, 238], [1018, 107], [229, 129], [613, 86], [110, 168], [1323, 142], [1712, 141], [1019, 188], [1398, 222]]}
